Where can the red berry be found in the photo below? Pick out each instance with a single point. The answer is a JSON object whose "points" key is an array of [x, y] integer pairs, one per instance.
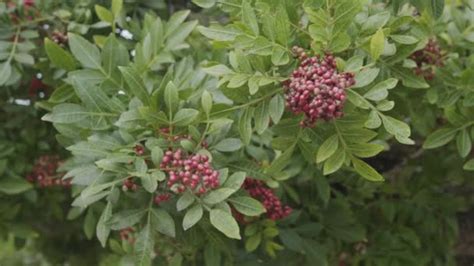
{"points": [[428, 59], [261, 192], [316, 89], [189, 171], [162, 198], [139, 150]]}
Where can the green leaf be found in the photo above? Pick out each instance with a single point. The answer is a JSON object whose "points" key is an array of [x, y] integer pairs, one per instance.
{"points": [[212, 255], [409, 79], [282, 26], [126, 218], [373, 121], [439, 138], [164, 222], [58, 56], [171, 97], [175, 21], [262, 118], [324, 189], [12, 186], [185, 201], [85, 200], [399, 129], [144, 246], [376, 22], [463, 143], [104, 14], [334, 162], [469, 165], [92, 96], [249, 18], [252, 243], [206, 102], [218, 195], [24, 58], [276, 108], [437, 7], [176, 39], [218, 70], [205, 3], [219, 33], [225, 223], [245, 125], [281, 162], [176, 260], [237, 80], [404, 39], [280, 56], [158, 175], [327, 149], [247, 206], [156, 155], [117, 6], [185, 117], [229, 145], [5, 72], [365, 150], [377, 43], [89, 224], [192, 216], [366, 170], [149, 183], [235, 181], [102, 228], [136, 84], [114, 54], [380, 90], [85, 52], [354, 63], [365, 77]]}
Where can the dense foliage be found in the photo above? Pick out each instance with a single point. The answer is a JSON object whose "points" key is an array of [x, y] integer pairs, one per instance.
{"points": [[235, 132]]}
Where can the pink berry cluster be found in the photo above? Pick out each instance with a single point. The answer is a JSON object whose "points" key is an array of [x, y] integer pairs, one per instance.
{"points": [[316, 89], [126, 234], [427, 59], [139, 150], [59, 38], [45, 173], [260, 191], [163, 197], [129, 185], [189, 171]]}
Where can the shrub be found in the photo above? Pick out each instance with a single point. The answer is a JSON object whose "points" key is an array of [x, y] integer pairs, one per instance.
{"points": [[238, 132]]}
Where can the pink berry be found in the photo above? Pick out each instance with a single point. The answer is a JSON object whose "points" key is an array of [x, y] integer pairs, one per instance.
{"points": [[316, 89], [189, 172], [260, 191]]}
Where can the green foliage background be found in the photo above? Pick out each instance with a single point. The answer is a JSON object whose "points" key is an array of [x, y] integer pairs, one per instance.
{"points": [[381, 186]]}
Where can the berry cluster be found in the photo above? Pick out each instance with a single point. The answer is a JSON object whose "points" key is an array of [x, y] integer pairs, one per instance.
{"points": [[427, 59], [189, 171], [59, 38], [139, 150], [37, 88], [126, 234], [45, 173], [26, 11], [129, 185], [261, 192], [162, 198], [316, 89], [29, 2]]}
